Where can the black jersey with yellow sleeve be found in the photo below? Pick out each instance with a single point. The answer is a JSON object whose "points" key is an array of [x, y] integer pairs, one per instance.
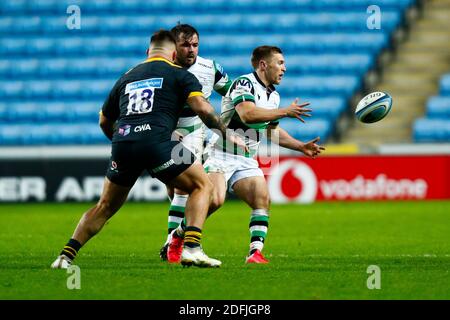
{"points": [[147, 100]]}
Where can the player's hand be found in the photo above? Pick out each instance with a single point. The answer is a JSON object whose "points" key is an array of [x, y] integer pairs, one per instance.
{"points": [[176, 136], [238, 141], [311, 149], [298, 111]]}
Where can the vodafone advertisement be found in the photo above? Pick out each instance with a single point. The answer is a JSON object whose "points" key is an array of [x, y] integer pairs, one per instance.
{"points": [[298, 179]]}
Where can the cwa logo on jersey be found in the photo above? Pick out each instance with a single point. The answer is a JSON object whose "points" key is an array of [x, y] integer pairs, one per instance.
{"points": [[292, 180]]}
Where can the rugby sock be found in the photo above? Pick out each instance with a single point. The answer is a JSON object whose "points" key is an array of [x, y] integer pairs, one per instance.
{"points": [[176, 211], [192, 237], [71, 249], [259, 222], [179, 231]]}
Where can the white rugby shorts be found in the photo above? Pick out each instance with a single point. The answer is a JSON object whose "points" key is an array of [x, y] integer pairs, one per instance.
{"points": [[194, 142], [234, 167]]}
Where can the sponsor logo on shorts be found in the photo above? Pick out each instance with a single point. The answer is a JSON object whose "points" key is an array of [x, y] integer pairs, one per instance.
{"points": [[164, 166], [113, 165], [124, 130], [142, 127]]}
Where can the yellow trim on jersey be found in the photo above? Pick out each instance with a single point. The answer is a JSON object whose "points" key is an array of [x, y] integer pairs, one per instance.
{"points": [[195, 94], [162, 59]]}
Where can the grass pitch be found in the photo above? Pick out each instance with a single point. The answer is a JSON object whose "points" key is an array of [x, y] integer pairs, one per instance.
{"points": [[319, 251]]}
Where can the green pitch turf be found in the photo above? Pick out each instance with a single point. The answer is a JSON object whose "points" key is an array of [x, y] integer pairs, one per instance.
{"points": [[319, 251]]}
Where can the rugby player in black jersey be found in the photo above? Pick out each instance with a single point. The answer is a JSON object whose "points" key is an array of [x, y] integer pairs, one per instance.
{"points": [[139, 116]]}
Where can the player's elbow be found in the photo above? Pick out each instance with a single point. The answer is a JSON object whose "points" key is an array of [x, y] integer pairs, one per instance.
{"points": [[203, 112], [104, 122], [107, 126], [248, 117]]}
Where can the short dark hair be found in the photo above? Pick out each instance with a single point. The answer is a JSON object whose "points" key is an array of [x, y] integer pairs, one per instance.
{"points": [[263, 52], [186, 29], [161, 36]]}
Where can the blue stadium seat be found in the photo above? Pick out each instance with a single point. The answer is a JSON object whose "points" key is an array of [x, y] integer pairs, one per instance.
{"points": [[57, 24], [445, 85], [127, 6], [52, 134], [24, 68], [90, 23], [11, 90], [25, 112], [319, 86], [54, 80], [204, 6], [87, 6], [160, 6], [86, 67], [329, 108], [431, 130], [354, 43], [13, 7], [48, 6], [88, 112], [6, 25], [115, 67], [38, 89], [10, 47], [69, 89], [41, 47], [326, 63], [38, 134], [56, 111], [4, 108], [50, 112], [129, 46], [67, 46], [307, 131], [320, 64], [12, 135], [234, 23], [438, 107], [337, 42], [5, 69], [97, 88], [20, 25], [55, 67]]}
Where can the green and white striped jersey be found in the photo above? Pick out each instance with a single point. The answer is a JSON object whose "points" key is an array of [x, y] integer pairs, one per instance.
{"points": [[211, 76], [248, 87]]}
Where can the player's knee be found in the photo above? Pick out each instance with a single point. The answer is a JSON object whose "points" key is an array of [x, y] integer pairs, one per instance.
{"points": [[264, 201], [209, 186], [205, 185], [217, 201]]}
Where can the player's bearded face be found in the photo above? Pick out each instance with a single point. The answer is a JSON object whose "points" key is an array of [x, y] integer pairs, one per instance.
{"points": [[187, 50], [275, 68]]}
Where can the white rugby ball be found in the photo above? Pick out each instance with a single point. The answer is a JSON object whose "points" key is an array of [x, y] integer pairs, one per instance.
{"points": [[373, 107]]}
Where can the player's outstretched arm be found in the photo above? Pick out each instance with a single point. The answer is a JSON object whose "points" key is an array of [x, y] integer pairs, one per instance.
{"points": [[206, 112], [284, 139], [250, 113]]}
